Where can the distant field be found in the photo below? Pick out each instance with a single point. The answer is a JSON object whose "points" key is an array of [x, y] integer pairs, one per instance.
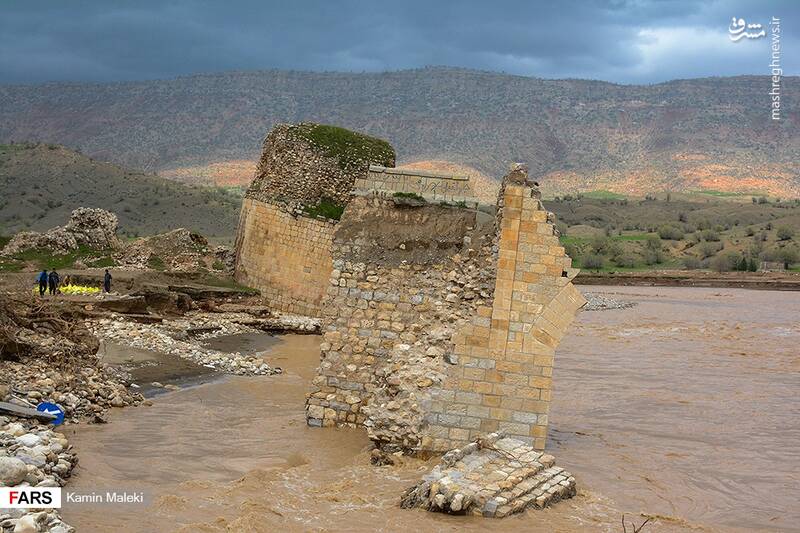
{"points": [[715, 233], [603, 195]]}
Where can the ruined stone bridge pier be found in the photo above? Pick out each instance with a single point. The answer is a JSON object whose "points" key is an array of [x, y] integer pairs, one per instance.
{"points": [[441, 317]]}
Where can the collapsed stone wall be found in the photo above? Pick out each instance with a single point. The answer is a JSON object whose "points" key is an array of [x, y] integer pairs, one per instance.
{"points": [[396, 297], [302, 164], [442, 322], [283, 242]]}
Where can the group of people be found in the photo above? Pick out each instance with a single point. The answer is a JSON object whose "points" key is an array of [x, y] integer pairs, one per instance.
{"points": [[52, 281]]}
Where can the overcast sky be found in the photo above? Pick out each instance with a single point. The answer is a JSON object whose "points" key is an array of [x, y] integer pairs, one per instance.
{"points": [[623, 41]]}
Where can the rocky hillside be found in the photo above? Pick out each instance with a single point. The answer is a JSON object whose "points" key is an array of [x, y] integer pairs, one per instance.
{"points": [[42, 184], [712, 133]]}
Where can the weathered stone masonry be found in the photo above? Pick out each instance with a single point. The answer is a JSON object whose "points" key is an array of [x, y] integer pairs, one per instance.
{"points": [[430, 185], [287, 257], [280, 250], [284, 251], [431, 342]]}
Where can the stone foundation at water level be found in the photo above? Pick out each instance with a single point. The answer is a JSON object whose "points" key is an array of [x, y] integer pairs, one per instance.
{"points": [[442, 322]]}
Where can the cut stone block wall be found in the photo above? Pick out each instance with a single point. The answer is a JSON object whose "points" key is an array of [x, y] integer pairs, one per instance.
{"points": [[428, 351], [287, 257], [431, 186], [503, 378]]}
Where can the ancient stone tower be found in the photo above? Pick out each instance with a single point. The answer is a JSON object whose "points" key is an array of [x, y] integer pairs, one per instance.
{"points": [[302, 183], [441, 321]]}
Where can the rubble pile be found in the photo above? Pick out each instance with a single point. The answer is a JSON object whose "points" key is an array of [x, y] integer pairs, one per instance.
{"points": [[493, 476], [89, 227], [84, 389], [27, 521], [33, 455], [36, 456], [47, 354], [179, 250], [183, 337]]}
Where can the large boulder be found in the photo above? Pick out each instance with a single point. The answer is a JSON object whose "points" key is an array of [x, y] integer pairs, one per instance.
{"points": [[12, 471], [95, 228]]}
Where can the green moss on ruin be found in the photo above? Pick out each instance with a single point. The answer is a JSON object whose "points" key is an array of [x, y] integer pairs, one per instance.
{"points": [[326, 208], [352, 150]]}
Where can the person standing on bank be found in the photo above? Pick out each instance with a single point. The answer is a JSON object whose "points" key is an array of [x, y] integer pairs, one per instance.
{"points": [[42, 279], [107, 282], [53, 280]]}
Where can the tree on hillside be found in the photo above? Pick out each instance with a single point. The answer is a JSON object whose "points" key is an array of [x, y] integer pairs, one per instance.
{"points": [[724, 262], [599, 244], [670, 232]]}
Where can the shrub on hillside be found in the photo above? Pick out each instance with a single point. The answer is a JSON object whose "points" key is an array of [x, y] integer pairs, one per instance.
{"points": [[593, 262], [574, 251], [653, 243], [653, 257], [670, 232], [690, 262], [599, 244], [625, 260], [710, 235], [707, 249], [725, 262], [788, 255], [785, 233]]}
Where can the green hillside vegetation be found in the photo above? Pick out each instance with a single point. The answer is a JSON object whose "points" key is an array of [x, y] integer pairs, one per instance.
{"points": [[42, 184], [39, 259], [662, 232]]}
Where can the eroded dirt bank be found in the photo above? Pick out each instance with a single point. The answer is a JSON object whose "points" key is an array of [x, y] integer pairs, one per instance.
{"points": [[681, 407]]}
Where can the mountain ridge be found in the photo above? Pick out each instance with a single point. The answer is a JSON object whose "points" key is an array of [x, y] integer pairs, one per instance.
{"points": [[704, 133]]}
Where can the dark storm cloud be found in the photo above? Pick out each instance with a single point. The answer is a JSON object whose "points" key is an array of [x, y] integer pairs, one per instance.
{"points": [[635, 41]]}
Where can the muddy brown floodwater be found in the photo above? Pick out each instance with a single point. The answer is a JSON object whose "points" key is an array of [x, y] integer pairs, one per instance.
{"points": [[683, 407]]}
